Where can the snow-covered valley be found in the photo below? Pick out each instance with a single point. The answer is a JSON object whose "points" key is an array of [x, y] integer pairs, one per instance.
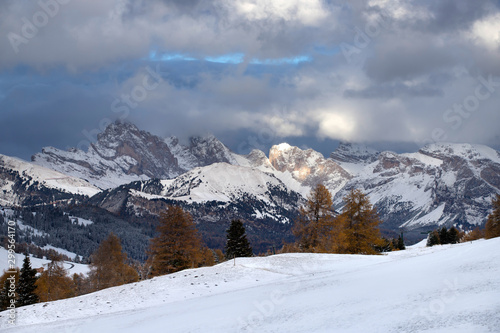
{"points": [[452, 288]]}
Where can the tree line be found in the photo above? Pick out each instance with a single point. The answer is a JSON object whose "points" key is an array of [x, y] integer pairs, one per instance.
{"points": [[178, 245]]}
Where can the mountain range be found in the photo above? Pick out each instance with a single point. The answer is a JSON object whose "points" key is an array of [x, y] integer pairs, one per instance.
{"points": [[131, 172]]}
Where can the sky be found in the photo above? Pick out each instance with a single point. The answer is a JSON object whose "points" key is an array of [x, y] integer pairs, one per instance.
{"points": [[392, 74]]}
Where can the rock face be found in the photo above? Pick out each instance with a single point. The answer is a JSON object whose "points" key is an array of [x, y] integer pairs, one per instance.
{"points": [[308, 167], [442, 184], [354, 153], [123, 154], [439, 184], [200, 152]]}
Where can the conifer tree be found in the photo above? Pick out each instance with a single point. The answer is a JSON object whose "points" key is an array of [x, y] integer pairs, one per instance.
{"points": [[433, 239], [400, 243], [362, 222], [6, 296], [108, 267], [492, 228], [453, 235], [443, 236], [314, 218], [237, 244], [177, 246], [27, 284], [54, 283]]}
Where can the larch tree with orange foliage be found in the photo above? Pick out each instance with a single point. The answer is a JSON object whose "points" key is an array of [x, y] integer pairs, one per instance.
{"points": [[361, 224], [108, 266], [178, 245], [314, 227], [492, 228], [54, 283]]}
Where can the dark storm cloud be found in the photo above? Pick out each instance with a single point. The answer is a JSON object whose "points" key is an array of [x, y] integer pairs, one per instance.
{"points": [[424, 57]]}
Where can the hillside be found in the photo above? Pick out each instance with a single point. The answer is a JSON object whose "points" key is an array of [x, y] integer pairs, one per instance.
{"points": [[450, 288], [135, 174], [22, 182], [71, 267]]}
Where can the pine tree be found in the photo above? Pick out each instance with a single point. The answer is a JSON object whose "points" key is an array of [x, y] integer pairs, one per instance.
{"points": [[453, 235], [6, 296], [237, 244], [401, 243], [443, 236], [177, 246], [492, 228], [108, 267], [362, 223], [314, 219], [27, 284], [433, 239]]}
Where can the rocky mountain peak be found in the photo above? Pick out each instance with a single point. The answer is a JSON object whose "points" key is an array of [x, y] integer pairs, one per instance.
{"points": [[200, 151], [309, 167], [354, 153], [122, 154], [461, 150]]}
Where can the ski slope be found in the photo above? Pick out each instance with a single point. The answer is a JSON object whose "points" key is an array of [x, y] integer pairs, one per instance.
{"points": [[452, 288]]}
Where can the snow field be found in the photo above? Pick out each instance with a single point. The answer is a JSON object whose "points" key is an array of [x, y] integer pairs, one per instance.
{"points": [[37, 263], [453, 288]]}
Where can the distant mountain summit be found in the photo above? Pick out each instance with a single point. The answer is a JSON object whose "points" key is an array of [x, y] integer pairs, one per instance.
{"points": [[441, 184], [123, 154], [354, 153], [308, 167], [200, 152]]}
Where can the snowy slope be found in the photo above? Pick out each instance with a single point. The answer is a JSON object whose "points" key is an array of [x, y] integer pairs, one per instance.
{"points": [[37, 263], [122, 154], [440, 184], [439, 289], [17, 173], [221, 182]]}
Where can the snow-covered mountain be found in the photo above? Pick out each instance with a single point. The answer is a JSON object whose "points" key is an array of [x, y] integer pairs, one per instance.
{"points": [[440, 184], [348, 152], [200, 152], [308, 167], [243, 191], [22, 183], [123, 154]]}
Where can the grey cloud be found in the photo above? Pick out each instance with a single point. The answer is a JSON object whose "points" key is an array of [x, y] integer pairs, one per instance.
{"points": [[451, 15], [389, 91], [92, 52], [406, 58]]}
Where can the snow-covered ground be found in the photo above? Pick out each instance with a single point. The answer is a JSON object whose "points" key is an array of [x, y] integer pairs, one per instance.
{"points": [[37, 263], [453, 288]]}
